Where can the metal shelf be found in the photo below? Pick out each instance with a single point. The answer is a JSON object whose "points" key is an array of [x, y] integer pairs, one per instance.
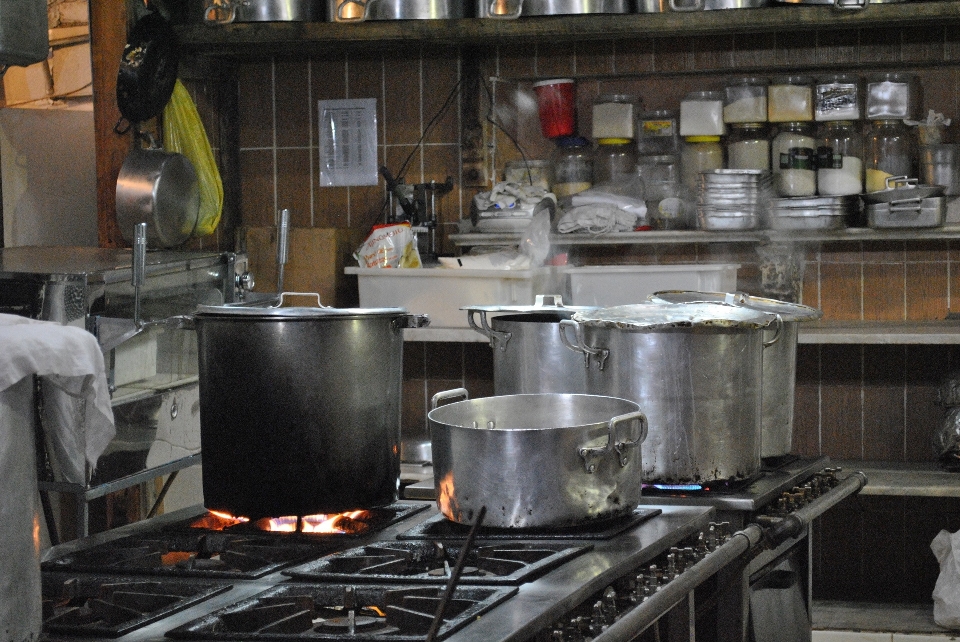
{"points": [[880, 332]]}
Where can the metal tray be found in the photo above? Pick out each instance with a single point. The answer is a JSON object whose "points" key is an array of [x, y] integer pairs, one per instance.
{"points": [[927, 212]]}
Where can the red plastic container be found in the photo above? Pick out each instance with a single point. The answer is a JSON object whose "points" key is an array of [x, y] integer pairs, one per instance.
{"points": [[556, 100]]}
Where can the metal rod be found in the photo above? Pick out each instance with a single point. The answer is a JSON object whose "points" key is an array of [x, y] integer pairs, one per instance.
{"points": [[283, 246], [162, 494], [672, 593], [139, 268], [794, 523], [455, 575]]}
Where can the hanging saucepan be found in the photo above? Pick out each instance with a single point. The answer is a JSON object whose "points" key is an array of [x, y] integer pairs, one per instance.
{"points": [[148, 70]]}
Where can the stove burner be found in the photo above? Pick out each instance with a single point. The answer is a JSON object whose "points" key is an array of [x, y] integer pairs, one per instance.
{"points": [[114, 606], [439, 527], [716, 487], [350, 523], [362, 613], [432, 562]]}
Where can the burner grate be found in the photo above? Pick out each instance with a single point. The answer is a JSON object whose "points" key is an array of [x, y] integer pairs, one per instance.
{"points": [[439, 527], [362, 613], [432, 562], [114, 606]]}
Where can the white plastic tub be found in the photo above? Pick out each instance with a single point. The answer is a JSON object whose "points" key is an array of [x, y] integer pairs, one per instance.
{"points": [[441, 292], [609, 285]]}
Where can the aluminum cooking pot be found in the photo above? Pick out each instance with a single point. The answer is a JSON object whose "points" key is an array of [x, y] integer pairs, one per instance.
{"points": [[358, 10], [227, 11], [695, 369], [528, 356], [543, 460], [300, 407], [512, 9], [779, 360]]}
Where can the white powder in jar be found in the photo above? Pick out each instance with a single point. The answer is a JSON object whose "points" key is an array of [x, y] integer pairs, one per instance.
{"points": [[797, 182], [844, 181], [789, 103], [752, 109], [749, 154]]}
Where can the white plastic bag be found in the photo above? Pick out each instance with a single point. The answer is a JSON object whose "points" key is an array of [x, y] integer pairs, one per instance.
{"points": [[390, 246], [946, 592]]}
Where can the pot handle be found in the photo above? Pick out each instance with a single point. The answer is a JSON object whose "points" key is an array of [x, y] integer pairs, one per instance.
{"points": [[591, 456], [448, 394], [497, 339], [279, 302], [600, 353], [776, 337], [365, 5], [215, 11], [411, 321], [509, 14], [548, 301]]}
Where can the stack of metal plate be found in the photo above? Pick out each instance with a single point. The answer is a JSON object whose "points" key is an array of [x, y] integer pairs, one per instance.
{"points": [[811, 212], [733, 199]]}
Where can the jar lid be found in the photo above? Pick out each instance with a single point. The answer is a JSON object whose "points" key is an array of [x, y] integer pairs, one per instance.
{"points": [[747, 125], [658, 114], [618, 98], [704, 95], [523, 164], [662, 316], [614, 141], [750, 80], [570, 142], [792, 80], [838, 79], [702, 139], [553, 81], [788, 311]]}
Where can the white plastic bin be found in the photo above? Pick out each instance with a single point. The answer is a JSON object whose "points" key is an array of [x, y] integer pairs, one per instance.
{"points": [[607, 285], [441, 292]]}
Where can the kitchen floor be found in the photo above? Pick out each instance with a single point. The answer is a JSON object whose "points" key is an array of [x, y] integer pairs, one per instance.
{"points": [[858, 622]]}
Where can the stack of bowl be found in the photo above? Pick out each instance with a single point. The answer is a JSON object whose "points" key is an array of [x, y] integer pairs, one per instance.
{"points": [[732, 199]]}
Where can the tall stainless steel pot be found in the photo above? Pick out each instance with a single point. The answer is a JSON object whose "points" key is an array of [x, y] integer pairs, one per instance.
{"points": [[779, 361], [695, 369], [543, 460], [528, 356], [300, 407]]}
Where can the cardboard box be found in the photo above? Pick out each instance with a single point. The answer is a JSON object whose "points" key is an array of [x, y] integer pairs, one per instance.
{"points": [[315, 263]]}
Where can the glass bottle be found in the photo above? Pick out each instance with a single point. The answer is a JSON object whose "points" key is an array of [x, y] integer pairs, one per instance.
{"points": [[614, 160], [839, 159], [748, 147], [699, 154], [790, 99], [887, 152], [792, 157], [614, 116], [661, 180], [745, 101], [572, 167], [837, 97]]}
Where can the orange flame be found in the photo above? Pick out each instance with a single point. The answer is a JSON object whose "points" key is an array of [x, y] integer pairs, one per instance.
{"points": [[446, 496], [340, 523]]}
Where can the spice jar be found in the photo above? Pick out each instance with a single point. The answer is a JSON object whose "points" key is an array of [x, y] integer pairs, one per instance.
{"points": [[793, 158], [700, 154], [614, 116], [790, 99], [615, 159], [837, 97], [658, 133], [839, 159], [748, 147], [888, 151], [891, 95], [701, 114], [572, 167], [745, 101]]}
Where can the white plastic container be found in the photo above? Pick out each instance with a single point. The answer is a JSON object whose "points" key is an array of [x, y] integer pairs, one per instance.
{"points": [[441, 292], [607, 285]]}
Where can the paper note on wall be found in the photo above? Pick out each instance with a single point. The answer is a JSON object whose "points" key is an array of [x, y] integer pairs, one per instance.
{"points": [[348, 142]]}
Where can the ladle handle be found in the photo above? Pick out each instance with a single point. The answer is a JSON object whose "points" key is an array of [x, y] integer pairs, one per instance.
{"points": [[283, 246], [139, 268]]}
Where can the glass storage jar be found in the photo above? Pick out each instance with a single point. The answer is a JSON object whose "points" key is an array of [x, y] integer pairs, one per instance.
{"points": [[614, 160], [792, 158], [888, 151], [572, 167], [700, 154], [892, 95], [701, 114], [837, 97], [790, 99], [614, 116], [748, 146], [661, 181], [529, 172], [745, 101], [839, 159], [658, 133]]}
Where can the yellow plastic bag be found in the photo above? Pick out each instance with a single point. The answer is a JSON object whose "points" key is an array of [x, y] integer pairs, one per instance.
{"points": [[183, 132]]}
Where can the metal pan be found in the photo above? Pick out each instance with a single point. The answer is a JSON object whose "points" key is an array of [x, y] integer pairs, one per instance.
{"points": [[900, 188]]}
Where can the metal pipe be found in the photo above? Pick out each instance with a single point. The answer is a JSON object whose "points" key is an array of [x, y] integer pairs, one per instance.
{"points": [[283, 247], [673, 592], [793, 524], [139, 269]]}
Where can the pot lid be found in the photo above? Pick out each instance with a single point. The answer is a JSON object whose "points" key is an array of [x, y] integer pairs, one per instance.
{"points": [[544, 303], [787, 311], [657, 316], [292, 312]]}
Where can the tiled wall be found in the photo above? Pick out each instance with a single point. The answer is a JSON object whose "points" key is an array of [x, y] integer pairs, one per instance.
{"points": [[873, 402]]}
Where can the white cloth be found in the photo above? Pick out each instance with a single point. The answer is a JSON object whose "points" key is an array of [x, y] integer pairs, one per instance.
{"points": [[76, 395]]}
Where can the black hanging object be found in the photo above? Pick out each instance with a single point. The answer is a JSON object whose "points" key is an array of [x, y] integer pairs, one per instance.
{"points": [[148, 69]]}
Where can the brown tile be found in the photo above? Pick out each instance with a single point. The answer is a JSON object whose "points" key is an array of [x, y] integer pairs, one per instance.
{"points": [[402, 121], [443, 385], [440, 92], [842, 253], [292, 98], [673, 54], [595, 57], [255, 105], [883, 409], [751, 50], [413, 413], [880, 45], [478, 369], [839, 552], [440, 162], [365, 78], [926, 517], [444, 361], [366, 206], [404, 162], [555, 60], [810, 293], [840, 291], [926, 285], [328, 77], [928, 251], [888, 252], [515, 61], [883, 531], [923, 44], [806, 407], [951, 46], [634, 56], [795, 49], [939, 89], [714, 53], [414, 360], [331, 207], [926, 367], [837, 47], [257, 187], [841, 405], [294, 176], [883, 292]]}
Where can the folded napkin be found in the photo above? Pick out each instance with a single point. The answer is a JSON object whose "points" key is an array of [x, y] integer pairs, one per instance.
{"points": [[78, 414]]}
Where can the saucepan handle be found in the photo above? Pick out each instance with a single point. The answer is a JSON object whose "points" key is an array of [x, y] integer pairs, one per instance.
{"points": [[600, 353], [591, 456], [223, 12], [497, 339], [365, 5], [779, 333], [495, 9]]}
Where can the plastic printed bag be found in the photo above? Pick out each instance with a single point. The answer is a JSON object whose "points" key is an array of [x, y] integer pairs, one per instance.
{"points": [[389, 246], [946, 592]]}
